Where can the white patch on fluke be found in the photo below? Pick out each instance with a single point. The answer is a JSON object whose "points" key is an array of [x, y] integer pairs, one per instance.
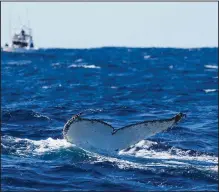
{"points": [[99, 136]]}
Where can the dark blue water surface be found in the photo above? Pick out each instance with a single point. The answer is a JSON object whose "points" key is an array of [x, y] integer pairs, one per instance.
{"points": [[42, 90]]}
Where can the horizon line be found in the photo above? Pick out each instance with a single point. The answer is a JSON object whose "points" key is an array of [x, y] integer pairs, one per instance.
{"points": [[130, 47]]}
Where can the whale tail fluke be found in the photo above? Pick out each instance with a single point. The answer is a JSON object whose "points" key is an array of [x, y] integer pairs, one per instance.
{"points": [[94, 134]]}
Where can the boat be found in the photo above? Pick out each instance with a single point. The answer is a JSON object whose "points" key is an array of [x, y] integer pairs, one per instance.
{"points": [[21, 42]]}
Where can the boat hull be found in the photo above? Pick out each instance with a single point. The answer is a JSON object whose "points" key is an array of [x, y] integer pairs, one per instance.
{"points": [[19, 50]]}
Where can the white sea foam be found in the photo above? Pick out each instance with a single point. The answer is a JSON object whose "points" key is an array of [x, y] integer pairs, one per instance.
{"points": [[25, 147], [171, 67], [79, 60], [46, 87], [55, 64], [147, 57], [84, 66], [51, 86], [171, 154], [21, 62], [209, 90], [173, 157], [152, 165], [50, 144], [211, 66], [40, 115], [93, 110], [122, 164]]}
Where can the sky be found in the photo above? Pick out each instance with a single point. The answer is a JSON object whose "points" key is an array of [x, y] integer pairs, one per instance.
{"points": [[98, 24]]}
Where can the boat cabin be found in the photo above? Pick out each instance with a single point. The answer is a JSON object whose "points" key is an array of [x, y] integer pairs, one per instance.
{"points": [[22, 40]]}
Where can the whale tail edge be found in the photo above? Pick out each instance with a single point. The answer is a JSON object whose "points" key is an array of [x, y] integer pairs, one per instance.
{"points": [[179, 116]]}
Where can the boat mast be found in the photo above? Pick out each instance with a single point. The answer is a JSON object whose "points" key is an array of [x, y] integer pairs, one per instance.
{"points": [[9, 26], [28, 22]]}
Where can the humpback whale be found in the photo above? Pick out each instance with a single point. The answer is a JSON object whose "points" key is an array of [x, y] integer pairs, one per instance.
{"points": [[97, 135]]}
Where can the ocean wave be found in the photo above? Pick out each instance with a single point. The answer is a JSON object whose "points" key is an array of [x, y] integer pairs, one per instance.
{"points": [[143, 150], [147, 57], [173, 167], [26, 147], [21, 114], [173, 157], [170, 66], [39, 97], [78, 60], [211, 66], [210, 90], [19, 63], [51, 86], [46, 87], [154, 162], [84, 66], [55, 64]]}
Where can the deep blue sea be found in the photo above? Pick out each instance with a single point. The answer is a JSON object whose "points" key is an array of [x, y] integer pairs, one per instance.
{"points": [[41, 91]]}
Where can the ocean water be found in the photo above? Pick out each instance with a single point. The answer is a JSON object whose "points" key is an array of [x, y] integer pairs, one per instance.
{"points": [[41, 91]]}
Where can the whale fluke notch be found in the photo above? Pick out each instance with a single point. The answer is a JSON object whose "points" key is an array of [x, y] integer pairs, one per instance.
{"points": [[95, 134]]}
